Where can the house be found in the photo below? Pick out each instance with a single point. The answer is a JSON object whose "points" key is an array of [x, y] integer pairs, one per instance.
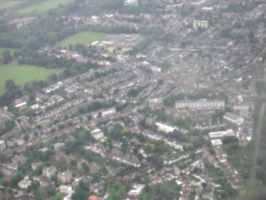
{"points": [[57, 146], [25, 183], [65, 189], [136, 190], [233, 120], [65, 177], [2, 145], [35, 165], [44, 182], [20, 104], [97, 134], [49, 171], [19, 159]]}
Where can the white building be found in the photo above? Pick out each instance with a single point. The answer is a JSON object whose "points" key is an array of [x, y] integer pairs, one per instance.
{"points": [[97, 134], [136, 190], [2, 145], [108, 112], [216, 143], [200, 24], [131, 2], [65, 189], [25, 183], [221, 134], [165, 128], [200, 104]]}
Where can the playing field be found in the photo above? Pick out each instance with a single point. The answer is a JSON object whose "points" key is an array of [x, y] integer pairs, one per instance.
{"points": [[22, 74], [2, 50], [8, 3], [86, 38], [45, 6]]}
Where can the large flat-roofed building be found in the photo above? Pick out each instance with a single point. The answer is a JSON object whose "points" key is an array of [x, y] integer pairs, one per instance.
{"points": [[200, 104], [221, 134], [233, 120]]}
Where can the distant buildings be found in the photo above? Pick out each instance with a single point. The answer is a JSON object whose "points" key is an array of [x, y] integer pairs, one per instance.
{"points": [[200, 24], [200, 104], [131, 2]]}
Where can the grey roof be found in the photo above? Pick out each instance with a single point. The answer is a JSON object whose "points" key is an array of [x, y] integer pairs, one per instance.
{"points": [[231, 116]]}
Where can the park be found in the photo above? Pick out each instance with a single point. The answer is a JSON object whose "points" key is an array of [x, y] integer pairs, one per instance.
{"points": [[22, 74]]}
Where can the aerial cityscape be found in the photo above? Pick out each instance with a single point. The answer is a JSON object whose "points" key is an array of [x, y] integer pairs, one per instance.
{"points": [[132, 99]]}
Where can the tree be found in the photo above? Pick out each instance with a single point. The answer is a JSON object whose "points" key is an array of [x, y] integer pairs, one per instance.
{"points": [[3, 158], [40, 194], [10, 85], [51, 38], [7, 57]]}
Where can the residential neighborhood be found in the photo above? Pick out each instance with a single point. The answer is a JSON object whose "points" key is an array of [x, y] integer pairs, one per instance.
{"points": [[168, 103]]}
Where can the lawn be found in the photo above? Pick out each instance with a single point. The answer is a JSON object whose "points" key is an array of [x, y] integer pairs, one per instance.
{"points": [[8, 3], [45, 6], [2, 50], [83, 38], [58, 197], [22, 74]]}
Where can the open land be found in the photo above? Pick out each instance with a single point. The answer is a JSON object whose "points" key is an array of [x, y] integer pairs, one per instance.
{"points": [[8, 3], [45, 6], [83, 38], [22, 74]]}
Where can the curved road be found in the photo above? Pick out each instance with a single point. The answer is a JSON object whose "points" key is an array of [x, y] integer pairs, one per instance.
{"points": [[257, 143]]}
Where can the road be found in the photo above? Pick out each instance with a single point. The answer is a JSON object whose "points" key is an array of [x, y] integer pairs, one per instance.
{"points": [[257, 143]]}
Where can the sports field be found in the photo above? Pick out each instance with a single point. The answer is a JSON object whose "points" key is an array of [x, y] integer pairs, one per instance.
{"points": [[45, 6], [22, 74], [8, 3], [2, 50], [85, 38]]}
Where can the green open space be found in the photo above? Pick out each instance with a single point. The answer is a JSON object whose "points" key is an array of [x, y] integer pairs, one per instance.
{"points": [[2, 50], [22, 74], [118, 50], [45, 6], [85, 38], [8, 3]]}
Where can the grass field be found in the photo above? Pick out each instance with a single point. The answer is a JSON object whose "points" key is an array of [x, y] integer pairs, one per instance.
{"points": [[83, 38], [123, 50], [8, 3], [22, 74], [2, 50], [45, 6]]}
